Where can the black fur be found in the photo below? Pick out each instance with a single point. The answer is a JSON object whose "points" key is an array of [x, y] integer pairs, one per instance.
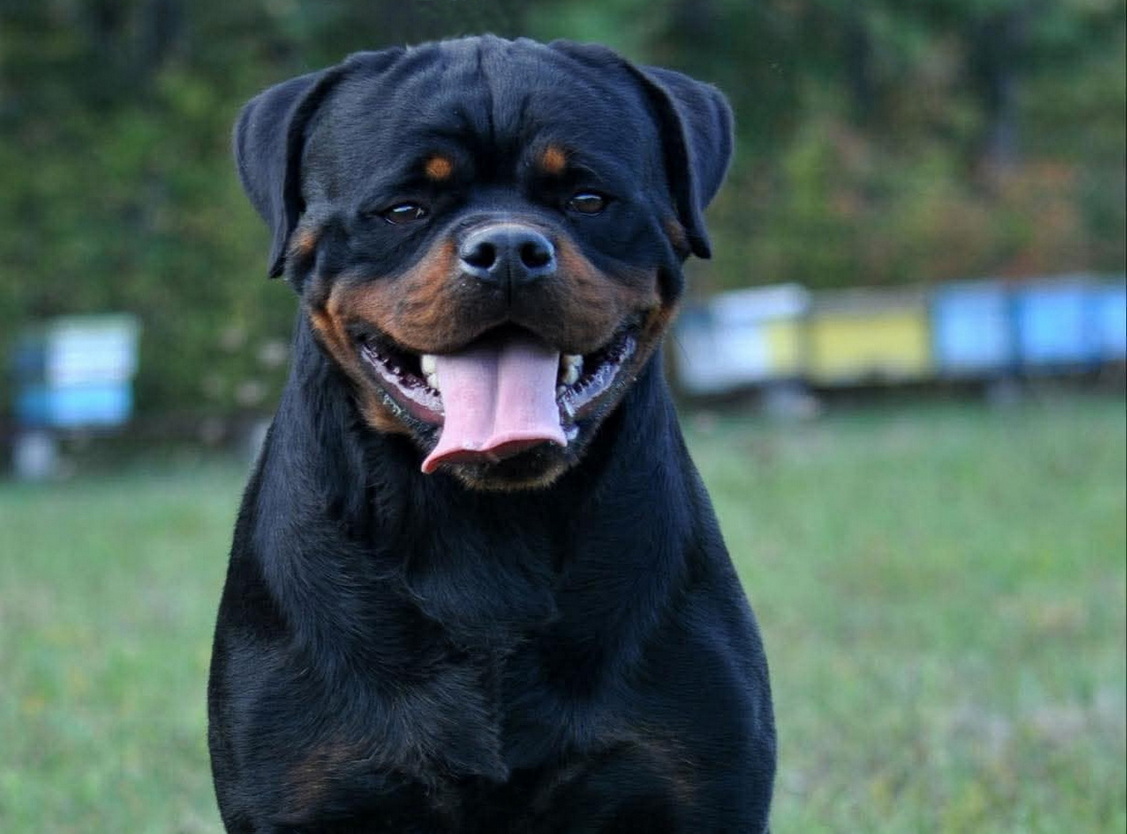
{"points": [[459, 653]]}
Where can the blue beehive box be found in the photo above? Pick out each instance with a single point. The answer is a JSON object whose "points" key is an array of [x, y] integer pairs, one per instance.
{"points": [[76, 406], [77, 372], [1055, 323], [1110, 313], [972, 329]]}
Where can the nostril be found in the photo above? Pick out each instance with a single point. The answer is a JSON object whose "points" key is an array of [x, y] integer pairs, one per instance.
{"points": [[536, 254], [482, 255]]}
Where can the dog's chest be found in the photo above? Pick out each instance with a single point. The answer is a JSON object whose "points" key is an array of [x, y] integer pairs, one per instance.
{"points": [[482, 724]]}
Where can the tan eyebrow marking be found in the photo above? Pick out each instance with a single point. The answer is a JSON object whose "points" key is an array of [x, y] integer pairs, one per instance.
{"points": [[439, 168], [553, 160]]}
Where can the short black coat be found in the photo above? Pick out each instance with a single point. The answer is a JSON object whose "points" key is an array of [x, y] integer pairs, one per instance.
{"points": [[454, 652]]}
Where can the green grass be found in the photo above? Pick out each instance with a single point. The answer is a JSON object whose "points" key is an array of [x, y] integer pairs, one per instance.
{"points": [[942, 596], [941, 590]]}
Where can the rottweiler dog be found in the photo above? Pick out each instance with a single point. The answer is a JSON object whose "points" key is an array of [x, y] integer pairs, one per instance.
{"points": [[476, 585]]}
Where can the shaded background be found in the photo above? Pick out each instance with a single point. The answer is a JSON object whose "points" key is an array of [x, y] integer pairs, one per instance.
{"points": [[880, 143], [941, 581]]}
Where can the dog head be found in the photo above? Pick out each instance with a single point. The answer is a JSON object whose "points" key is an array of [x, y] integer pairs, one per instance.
{"points": [[487, 235]]}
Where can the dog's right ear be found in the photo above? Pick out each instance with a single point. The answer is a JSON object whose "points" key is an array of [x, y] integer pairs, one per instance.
{"points": [[269, 140]]}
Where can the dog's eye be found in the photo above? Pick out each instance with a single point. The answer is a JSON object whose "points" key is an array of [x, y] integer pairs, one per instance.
{"points": [[402, 213], [587, 202]]}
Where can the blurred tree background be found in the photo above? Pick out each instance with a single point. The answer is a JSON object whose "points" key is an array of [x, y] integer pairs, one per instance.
{"points": [[880, 143]]}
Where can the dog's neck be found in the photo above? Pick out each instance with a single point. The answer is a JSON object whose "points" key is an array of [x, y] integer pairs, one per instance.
{"points": [[514, 550]]}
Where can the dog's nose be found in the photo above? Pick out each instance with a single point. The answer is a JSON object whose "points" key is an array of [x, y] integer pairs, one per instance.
{"points": [[507, 253]]}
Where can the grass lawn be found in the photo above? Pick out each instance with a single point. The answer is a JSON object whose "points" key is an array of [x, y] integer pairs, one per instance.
{"points": [[941, 590]]}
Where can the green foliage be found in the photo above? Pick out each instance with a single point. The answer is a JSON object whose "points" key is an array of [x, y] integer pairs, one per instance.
{"points": [[888, 143], [880, 143], [941, 592]]}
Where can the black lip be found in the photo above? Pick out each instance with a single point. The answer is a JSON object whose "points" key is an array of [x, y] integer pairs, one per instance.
{"points": [[398, 375], [603, 372]]}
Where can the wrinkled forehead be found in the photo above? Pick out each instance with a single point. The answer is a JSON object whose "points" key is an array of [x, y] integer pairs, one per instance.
{"points": [[495, 102]]}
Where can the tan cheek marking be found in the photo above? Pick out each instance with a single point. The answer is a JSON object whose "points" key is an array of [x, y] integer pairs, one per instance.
{"points": [[604, 302], [304, 242], [553, 160], [330, 328], [379, 417], [417, 310], [656, 324], [677, 236], [439, 168]]}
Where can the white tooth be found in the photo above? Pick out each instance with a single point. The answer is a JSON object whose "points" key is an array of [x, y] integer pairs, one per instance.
{"points": [[572, 367], [432, 381], [429, 363]]}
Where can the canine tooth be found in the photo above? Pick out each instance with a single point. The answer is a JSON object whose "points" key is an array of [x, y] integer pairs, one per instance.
{"points": [[432, 381], [572, 368], [429, 363]]}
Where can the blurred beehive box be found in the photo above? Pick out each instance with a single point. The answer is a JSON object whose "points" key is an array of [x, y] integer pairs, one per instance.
{"points": [[76, 372], [740, 339], [856, 337], [972, 332]]}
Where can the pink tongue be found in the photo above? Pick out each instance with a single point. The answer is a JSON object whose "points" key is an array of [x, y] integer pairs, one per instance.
{"points": [[499, 398]]}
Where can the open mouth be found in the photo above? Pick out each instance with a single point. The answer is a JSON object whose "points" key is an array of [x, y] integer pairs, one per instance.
{"points": [[503, 393]]}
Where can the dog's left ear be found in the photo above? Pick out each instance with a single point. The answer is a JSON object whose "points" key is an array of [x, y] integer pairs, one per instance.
{"points": [[695, 125], [696, 130]]}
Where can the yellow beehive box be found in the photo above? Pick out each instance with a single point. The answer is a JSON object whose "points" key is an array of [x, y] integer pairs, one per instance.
{"points": [[868, 336], [783, 338]]}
